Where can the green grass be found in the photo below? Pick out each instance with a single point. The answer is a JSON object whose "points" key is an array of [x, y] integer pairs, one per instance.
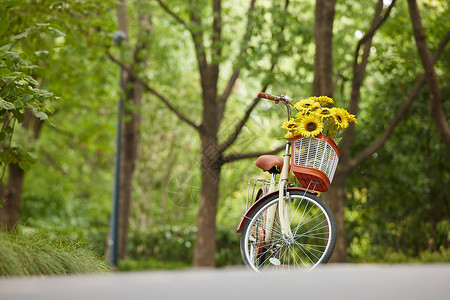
{"points": [[35, 254]]}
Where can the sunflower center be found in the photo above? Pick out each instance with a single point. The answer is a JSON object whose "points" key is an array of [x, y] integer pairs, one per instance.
{"points": [[311, 126]]}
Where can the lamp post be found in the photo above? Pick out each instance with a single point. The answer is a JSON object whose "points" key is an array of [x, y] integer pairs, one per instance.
{"points": [[119, 36]]}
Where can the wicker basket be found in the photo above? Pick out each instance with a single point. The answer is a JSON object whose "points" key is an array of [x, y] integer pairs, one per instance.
{"points": [[314, 161]]}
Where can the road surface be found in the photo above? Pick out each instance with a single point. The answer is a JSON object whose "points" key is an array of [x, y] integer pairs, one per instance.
{"points": [[329, 282]]}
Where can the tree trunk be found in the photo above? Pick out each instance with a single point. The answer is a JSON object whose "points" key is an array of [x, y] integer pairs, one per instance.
{"points": [[205, 245], [323, 34], [129, 154], [437, 112], [335, 198], [12, 195], [130, 138]]}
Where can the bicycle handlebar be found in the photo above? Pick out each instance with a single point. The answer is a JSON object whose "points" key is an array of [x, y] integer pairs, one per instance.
{"points": [[286, 100], [282, 98]]}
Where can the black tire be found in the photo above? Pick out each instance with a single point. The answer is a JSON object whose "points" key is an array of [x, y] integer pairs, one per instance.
{"points": [[311, 243]]}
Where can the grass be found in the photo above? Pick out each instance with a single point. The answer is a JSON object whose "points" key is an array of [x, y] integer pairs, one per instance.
{"points": [[35, 254]]}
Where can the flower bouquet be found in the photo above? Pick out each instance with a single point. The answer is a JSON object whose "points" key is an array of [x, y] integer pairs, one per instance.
{"points": [[315, 154], [315, 118]]}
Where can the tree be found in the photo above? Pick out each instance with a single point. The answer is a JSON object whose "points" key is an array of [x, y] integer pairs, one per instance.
{"points": [[59, 62], [213, 105], [21, 101], [130, 114], [335, 197]]}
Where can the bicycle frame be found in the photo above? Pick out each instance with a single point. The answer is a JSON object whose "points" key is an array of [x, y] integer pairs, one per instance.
{"points": [[283, 210]]}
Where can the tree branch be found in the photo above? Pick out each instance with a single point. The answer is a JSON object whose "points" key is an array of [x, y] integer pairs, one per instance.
{"points": [[359, 70], [178, 113], [375, 26], [241, 124], [216, 39], [238, 156], [249, 110], [197, 37], [434, 90], [234, 76], [170, 12], [377, 144]]}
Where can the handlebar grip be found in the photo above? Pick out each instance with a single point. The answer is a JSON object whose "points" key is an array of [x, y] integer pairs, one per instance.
{"points": [[268, 96]]}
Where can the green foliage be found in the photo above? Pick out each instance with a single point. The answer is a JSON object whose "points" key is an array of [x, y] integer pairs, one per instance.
{"points": [[18, 95], [25, 254], [129, 264], [174, 244], [397, 200], [391, 256]]}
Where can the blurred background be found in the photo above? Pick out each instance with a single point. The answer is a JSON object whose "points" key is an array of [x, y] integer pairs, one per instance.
{"points": [[180, 77]]}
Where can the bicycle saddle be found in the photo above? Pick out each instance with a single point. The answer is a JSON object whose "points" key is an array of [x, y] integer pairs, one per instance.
{"points": [[270, 163]]}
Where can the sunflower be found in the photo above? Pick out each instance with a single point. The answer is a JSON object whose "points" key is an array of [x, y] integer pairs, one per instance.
{"points": [[352, 118], [341, 117], [307, 105], [302, 114], [309, 126], [323, 100], [289, 135], [324, 112], [290, 125]]}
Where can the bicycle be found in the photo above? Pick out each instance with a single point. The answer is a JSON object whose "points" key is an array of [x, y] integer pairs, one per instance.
{"points": [[287, 227]]}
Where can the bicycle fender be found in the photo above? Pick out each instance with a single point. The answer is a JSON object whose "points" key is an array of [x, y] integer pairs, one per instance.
{"points": [[246, 216]]}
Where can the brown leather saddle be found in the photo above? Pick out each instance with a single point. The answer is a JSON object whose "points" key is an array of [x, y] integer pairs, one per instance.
{"points": [[270, 163]]}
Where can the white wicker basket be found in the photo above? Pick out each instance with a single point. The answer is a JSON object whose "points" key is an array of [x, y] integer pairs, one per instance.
{"points": [[314, 161]]}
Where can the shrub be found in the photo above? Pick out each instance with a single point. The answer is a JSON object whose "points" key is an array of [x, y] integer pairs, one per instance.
{"points": [[24, 254], [175, 244]]}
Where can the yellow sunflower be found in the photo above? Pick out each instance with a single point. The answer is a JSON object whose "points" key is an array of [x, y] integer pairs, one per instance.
{"points": [[290, 125], [289, 135], [352, 118], [307, 105], [340, 117], [324, 112], [309, 126], [323, 100]]}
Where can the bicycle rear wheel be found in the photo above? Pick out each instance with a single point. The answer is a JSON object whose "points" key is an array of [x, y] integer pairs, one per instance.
{"points": [[313, 238]]}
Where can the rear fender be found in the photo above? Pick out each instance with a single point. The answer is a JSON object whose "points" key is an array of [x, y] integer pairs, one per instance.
{"points": [[245, 217]]}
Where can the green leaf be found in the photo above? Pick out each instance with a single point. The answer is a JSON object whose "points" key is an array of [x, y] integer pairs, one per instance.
{"points": [[40, 115], [27, 98], [55, 32], [8, 79], [13, 56], [43, 55], [21, 35], [6, 105], [7, 47], [4, 24], [25, 165]]}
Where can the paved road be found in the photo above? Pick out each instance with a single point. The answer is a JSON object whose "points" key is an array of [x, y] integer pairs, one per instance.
{"points": [[330, 282]]}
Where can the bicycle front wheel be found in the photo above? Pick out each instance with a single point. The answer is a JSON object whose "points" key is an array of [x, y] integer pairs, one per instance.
{"points": [[308, 242]]}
